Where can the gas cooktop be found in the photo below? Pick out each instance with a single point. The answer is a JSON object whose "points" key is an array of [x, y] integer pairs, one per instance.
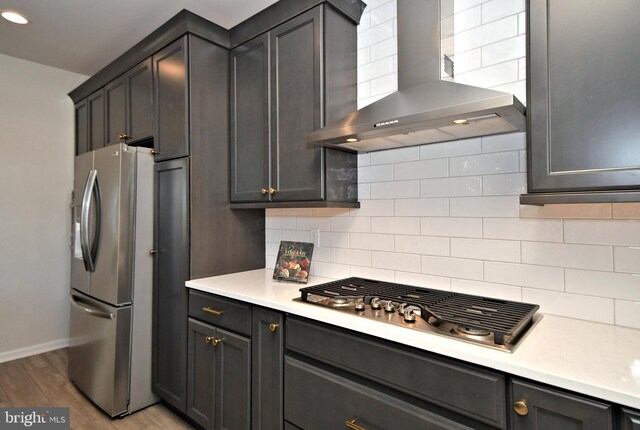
{"points": [[495, 323]]}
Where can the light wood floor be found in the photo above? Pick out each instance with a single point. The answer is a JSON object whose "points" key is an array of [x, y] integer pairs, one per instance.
{"points": [[41, 380]]}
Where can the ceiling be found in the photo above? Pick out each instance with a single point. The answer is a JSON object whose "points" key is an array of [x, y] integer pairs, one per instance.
{"points": [[83, 36]]}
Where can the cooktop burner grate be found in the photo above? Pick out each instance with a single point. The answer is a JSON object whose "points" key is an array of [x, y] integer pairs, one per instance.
{"points": [[500, 317]]}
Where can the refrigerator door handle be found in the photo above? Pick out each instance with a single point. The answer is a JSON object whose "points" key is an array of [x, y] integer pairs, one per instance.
{"points": [[89, 253], [91, 311]]}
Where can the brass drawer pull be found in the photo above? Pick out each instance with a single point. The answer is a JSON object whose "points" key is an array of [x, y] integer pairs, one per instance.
{"points": [[272, 190], [521, 408], [352, 425], [212, 311], [273, 327], [212, 340]]}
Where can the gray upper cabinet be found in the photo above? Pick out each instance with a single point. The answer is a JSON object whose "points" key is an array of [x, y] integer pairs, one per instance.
{"points": [[583, 102], [81, 129], [129, 105], [95, 105], [539, 408], [171, 90], [282, 88]]}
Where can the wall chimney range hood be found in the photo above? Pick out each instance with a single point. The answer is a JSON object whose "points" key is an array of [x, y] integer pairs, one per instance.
{"points": [[425, 109]]}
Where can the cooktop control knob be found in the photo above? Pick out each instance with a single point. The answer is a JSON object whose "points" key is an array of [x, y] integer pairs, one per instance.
{"points": [[359, 304], [409, 316], [401, 307], [375, 303], [388, 306]]}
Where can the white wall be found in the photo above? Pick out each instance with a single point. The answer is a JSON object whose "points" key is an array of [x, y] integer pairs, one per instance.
{"points": [[447, 215], [36, 178]]}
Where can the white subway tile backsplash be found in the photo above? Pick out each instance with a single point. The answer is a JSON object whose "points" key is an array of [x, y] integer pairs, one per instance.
{"points": [[568, 255], [383, 13], [395, 261], [280, 222], [504, 142], [523, 161], [271, 248], [373, 273], [491, 76], [486, 34], [375, 69], [273, 212], [334, 240], [523, 229], [384, 84], [510, 184], [451, 149], [603, 284], [365, 21], [356, 257], [504, 50], [572, 210], [364, 89], [522, 23], [496, 9], [627, 313], [452, 267], [451, 227], [395, 155], [425, 281], [397, 190], [375, 173], [364, 192], [626, 210], [321, 253], [322, 223], [626, 259], [578, 306], [295, 235], [374, 208], [273, 235], [351, 224], [372, 241], [461, 5], [363, 160], [421, 169], [422, 245], [623, 232], [487, 207], [330, 270], [383, 49], [467, 61], [525, 275], [451, 187], [328, 212], [498, 291], [518, 89], [395, 225], [422, 207], [372, 4], [485, 164], [296, 212], [522, 69], [486, 249]]}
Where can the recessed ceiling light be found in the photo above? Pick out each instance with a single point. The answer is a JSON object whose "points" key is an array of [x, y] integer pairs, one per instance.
{"points": [[352, 139], [460, 121], [14, 17]]}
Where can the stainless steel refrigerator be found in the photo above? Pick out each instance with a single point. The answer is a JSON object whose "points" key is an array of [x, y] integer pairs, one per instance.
{"points": [[111, 278]]}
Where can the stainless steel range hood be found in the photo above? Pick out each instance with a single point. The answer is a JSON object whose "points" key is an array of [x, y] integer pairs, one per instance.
{"points": [[425, 109]]}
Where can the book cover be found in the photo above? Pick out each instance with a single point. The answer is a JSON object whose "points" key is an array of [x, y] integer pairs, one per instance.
{"points": [[293, 262]]}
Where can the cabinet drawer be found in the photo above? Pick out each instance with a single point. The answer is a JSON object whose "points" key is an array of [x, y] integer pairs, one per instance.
{"points": [[220, 311], [316, 399], [470, 391], [630, 419]]}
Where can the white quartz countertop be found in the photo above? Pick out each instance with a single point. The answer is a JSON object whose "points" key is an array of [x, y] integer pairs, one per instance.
{"points": [[596, 359]]}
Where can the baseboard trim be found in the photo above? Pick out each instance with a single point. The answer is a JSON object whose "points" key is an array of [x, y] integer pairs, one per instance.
{"points": [[33, 350]]}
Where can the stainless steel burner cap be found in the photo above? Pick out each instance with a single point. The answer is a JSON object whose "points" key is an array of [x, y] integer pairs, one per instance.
{"points": [[473, 331]]}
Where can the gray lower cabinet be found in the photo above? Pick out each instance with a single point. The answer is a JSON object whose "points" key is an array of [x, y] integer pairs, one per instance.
{"points": [[267, 349], [285, 84], [539, 408], [630, 419], [582, 107], [218, 395], [171, 270]]}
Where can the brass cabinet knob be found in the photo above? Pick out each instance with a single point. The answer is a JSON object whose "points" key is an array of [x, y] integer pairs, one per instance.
{"points": [[208, 339], [155, 152], [272, 190], [212, 340], [353, 426], [273, 327], [124, 136], [263, 191], [153, 251], [521, 408]]}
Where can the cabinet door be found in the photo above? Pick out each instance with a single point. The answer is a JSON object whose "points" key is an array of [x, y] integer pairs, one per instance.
{"points": [[630, 419], [139, 105], [171, 265], [584, 98], [96, 119], [233, 382], [201, 373], [548, 409], [250, 120], [267, 349], [115, 118], [171, 87], [297, 107], [82, 137]]}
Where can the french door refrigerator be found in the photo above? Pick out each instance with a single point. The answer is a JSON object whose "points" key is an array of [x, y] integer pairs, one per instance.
{"points": [[111, 278]]}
